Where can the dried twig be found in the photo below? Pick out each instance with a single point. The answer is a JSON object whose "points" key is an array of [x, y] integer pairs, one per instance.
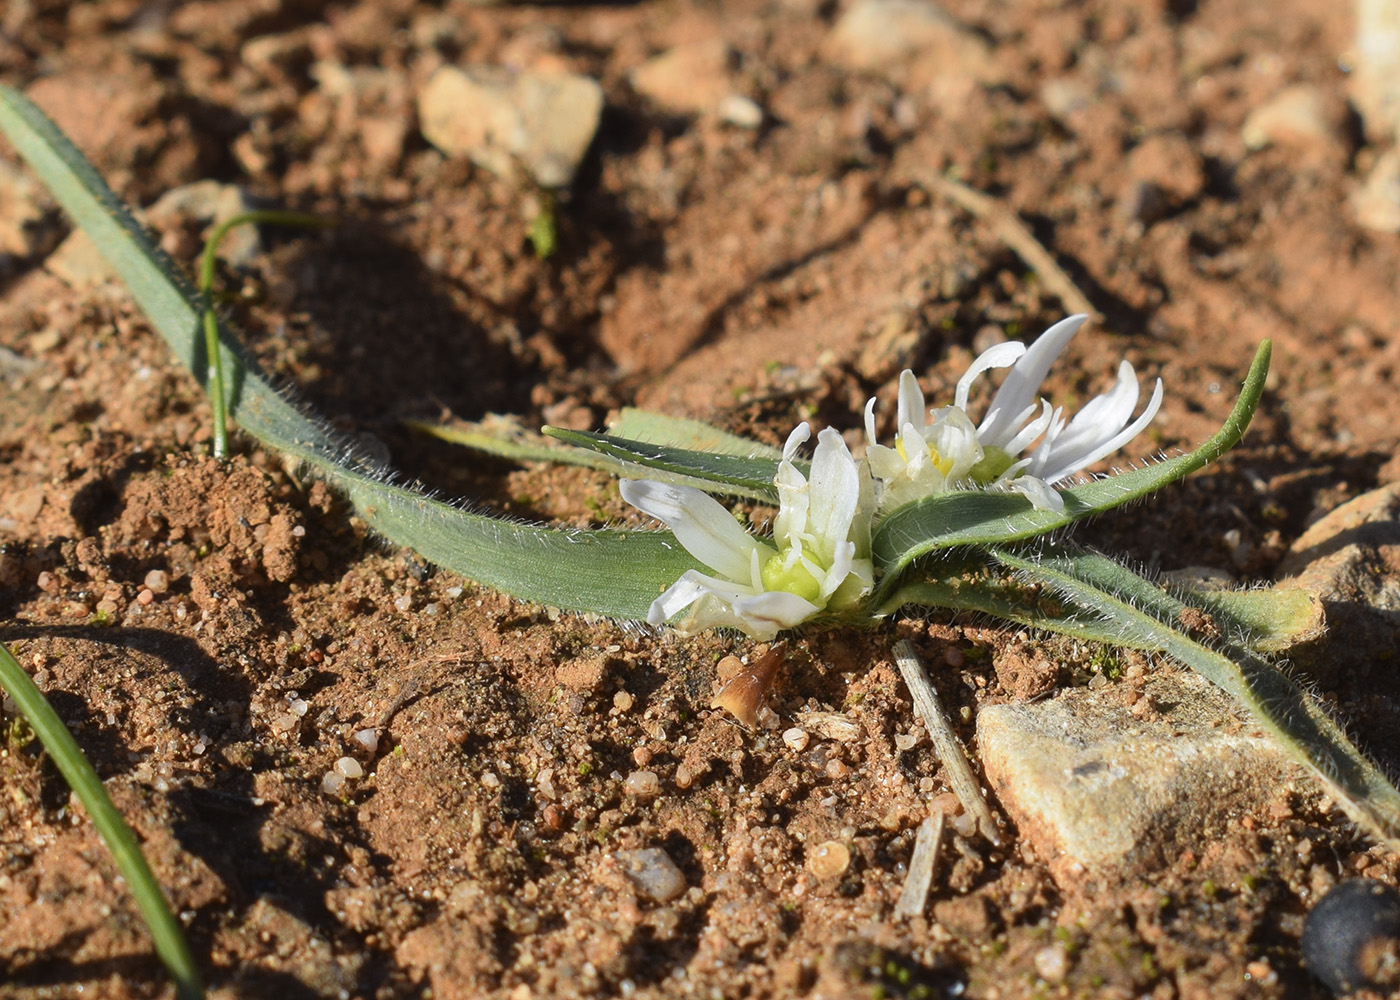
{"points": [[950, 752], [914, 896], [1013, 232]]}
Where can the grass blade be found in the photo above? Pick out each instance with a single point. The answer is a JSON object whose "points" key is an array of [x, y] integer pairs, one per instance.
{"points": [[168, 937]]}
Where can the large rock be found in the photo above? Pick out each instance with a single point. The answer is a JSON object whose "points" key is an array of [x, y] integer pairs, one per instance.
{"points": [[1375, 81], [1376, 203], [1095, 787], [1351, 560], [542, 123]]}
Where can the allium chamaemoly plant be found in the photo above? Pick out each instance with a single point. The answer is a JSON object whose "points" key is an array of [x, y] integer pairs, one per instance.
{"points": [[954, 514]]}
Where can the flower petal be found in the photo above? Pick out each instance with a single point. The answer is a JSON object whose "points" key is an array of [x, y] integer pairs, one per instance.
{"points": [[911, 400], [1002, 355], [1022, 384], [1072, 464], [834, 494], [700, 523]]}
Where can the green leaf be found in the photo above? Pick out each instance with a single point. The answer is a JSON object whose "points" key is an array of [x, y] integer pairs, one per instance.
{"points": [[616, 573], [68, 757], [958, 518], [735, 475], [1266, 620], [682, 432]]}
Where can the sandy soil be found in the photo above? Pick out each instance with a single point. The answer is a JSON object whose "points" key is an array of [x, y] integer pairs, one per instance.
{"points": [[216, 635]]}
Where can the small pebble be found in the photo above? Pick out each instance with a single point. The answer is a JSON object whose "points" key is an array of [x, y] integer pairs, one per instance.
{"points": [[954, 657], [298, 707], [403, 602], [349, 767], [367, 740], [544, 781], [836, 769], [157, 581], [622, 701], [1052, 964], [490, 780], [736, 109], [684, 777], [145, 597], [797, 738], [332, 783], [643, 784], [905, 741], [653, 872], [829, 860], [641, 756]]}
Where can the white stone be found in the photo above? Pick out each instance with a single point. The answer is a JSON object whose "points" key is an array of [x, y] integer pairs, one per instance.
{"points": [[1376, 203], [1093, 786], [1375, 82], [542, 123], [653, 872], [894, 36], [1300, 116], [689, 79]]}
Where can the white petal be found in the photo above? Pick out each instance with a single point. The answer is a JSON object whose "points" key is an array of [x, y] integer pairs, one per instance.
{"points": [[1040, 494], [1022, 384], [1103, 416], [764, 614], [699, 521], [796, 440], [911, 400], [834, 495], [870, 438], [841, 561], [997, 356], [1068, 468], [1027, 434], [680, 595]]}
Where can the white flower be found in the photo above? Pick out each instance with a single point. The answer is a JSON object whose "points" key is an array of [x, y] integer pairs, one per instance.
{"points": [[821, 558], [942, 450]]}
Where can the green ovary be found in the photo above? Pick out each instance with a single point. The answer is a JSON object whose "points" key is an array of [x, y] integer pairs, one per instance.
{"points": [[795, 579], [994, 463]]}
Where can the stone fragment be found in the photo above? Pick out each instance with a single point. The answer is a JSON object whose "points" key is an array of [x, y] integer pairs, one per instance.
{"points": [[210, 203], [1301, 117], [542, 123], [1351, 560], [1095, 786], [740, 111], [1376, 203], [653, 872], [28, 223], [78, 263], [894, 37], [1375, 81], [689, 79]]}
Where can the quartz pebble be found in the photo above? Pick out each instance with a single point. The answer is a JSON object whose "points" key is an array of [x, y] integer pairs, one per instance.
{"points": [[643, 784], [796, 738], [157, 581], [349, 767], [332, 783], [653, 872], [829, 860], [367, 740]]}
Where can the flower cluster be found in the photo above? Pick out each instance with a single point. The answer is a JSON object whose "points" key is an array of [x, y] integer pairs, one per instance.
{"points": [[818, 559]]}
